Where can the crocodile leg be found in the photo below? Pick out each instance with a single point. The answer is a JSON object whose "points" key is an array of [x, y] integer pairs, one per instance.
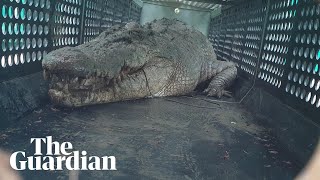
{"points": [[226, 73]]}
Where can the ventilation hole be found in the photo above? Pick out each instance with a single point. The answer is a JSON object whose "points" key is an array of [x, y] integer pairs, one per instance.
{"points": [[304, 66], [312, 53], [22, 59], [10, 45], [303, 94], [318, 103], [28, 57], [10, 62], [16, 59], [290, 76], [4, 45], [312, 83], [35, 15], [16, 13], [29, 14], [295, 78], [34, 29], [16, 28], [298, 92], [28, 29], [310, 67], [22, 43], [288, 88], [3, 62], [10, 28], [314, 99], [23, 14], [308, 97], [39, 55], [28, 43], [16, 44], [301, 79], [10, 12], [306, 81], [34, 43], [39, 43], [34, 56], [293, 89], [4, 11], [4, 31]]}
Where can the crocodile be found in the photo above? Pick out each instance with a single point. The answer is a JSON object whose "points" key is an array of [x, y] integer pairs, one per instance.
{"points": [[161, 58]]}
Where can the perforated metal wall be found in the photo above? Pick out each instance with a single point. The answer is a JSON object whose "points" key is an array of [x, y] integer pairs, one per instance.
{"points": [[135, 12], [66, 23], [236, 35], [107, 14], [253, 38], [303, 82], [287, 34], [32, 28], [92, 19], [277, 41], [24, 35]]}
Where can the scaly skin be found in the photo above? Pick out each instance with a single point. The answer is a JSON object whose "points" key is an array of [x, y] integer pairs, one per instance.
{"points": [[162, 58]]}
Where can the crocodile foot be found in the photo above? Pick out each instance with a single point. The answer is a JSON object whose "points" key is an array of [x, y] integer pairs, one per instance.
{"points": [[218, 93]]}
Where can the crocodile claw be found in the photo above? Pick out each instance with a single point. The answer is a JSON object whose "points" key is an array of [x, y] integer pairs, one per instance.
{"points": [[218, 93]]}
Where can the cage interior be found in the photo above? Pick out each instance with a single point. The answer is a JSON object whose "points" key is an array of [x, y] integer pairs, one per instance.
{"points": [[267, 130]]}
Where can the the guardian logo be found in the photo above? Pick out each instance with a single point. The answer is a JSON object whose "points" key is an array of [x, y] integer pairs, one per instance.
{"points": [[59, 157]]}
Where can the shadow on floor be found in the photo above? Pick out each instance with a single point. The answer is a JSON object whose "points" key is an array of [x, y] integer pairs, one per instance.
{"points": [[159, 139]]}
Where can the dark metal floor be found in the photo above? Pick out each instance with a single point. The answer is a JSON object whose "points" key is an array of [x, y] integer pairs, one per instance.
{"points": [[159, 139]]}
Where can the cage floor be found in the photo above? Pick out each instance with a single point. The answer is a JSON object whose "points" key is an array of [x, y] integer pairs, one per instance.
{"points": [[160, 139]]}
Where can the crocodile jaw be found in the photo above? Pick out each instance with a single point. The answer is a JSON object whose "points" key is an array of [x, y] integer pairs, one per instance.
{"points": [[73, 91]]}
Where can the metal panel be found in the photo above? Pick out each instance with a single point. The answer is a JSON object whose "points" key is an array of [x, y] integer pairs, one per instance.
{"points": [[196, 4], [288, 66], [24, 36], [32, 28], [237, 35], [107, 13], [253, 38], [302, 78], [278, 38], [66, 23], [303, 75], [125, 8], [135, 12], [92, 19]]}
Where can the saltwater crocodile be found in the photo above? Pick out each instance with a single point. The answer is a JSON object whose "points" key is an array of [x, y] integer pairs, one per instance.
{"points": [[162, 58]]}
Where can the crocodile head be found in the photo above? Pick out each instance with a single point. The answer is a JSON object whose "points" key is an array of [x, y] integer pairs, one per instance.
{"points": [[110, 68], [93, 73], [128, 62]]}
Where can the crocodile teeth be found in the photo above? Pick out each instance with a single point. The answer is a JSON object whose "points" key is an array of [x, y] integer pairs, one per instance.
{"points": [[59, 85], [89, 82], [46, 75], [75, 80]]}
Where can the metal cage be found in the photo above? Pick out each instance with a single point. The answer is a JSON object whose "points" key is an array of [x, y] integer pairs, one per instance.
{"points": [[32, 28], [277, 44]]}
